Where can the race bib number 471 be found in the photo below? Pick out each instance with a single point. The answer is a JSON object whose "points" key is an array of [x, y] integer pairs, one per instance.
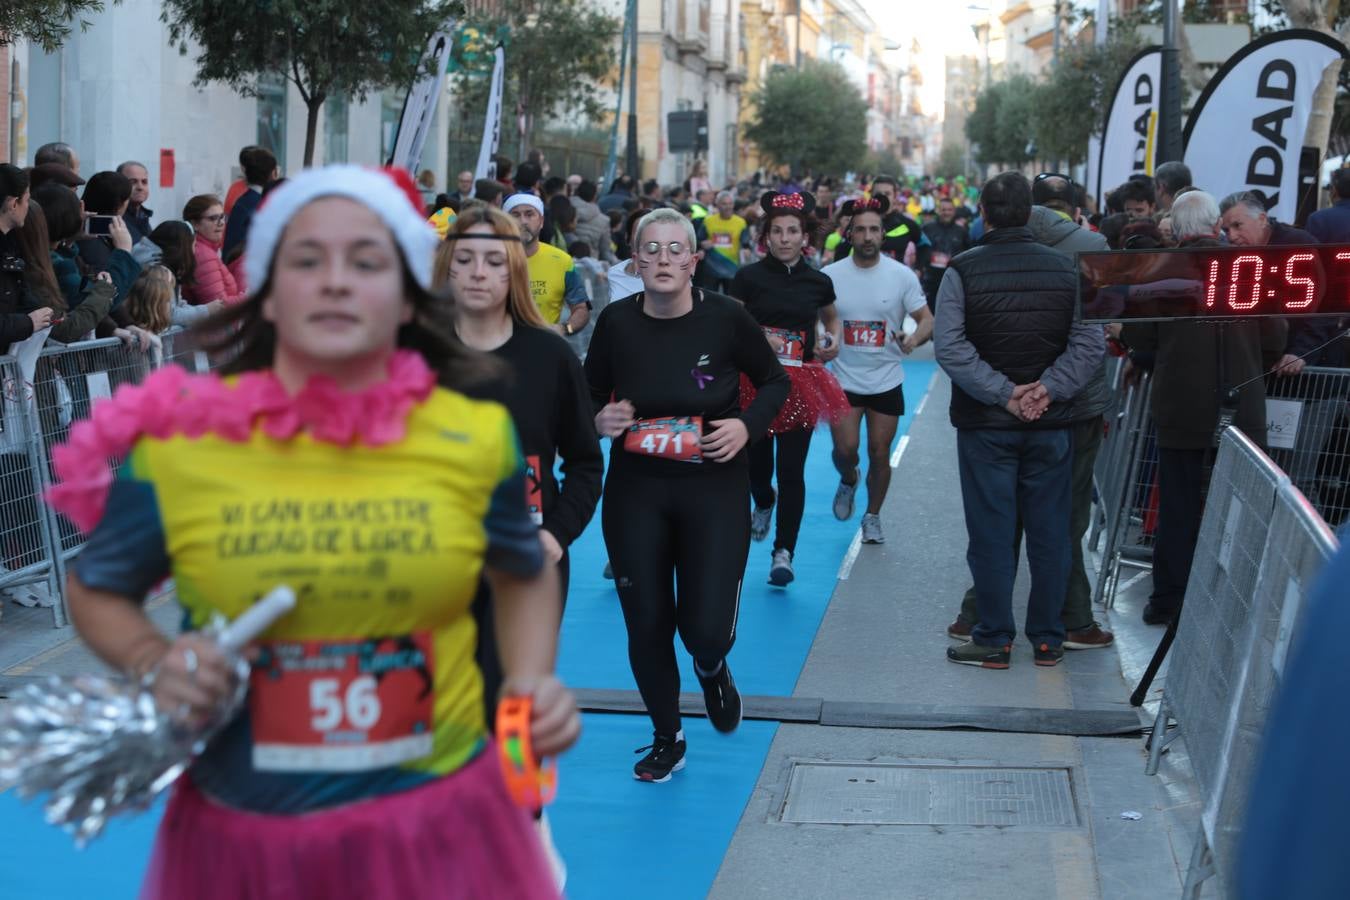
{"points": [[865, 335], [342, 706], [680, 439]]}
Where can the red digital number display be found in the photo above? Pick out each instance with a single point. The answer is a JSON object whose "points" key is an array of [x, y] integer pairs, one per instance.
{"points": [[1214, 283]]}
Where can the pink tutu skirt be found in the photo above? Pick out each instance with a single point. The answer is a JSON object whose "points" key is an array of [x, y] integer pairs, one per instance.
{"points": [[816, 397], [457, 837]]}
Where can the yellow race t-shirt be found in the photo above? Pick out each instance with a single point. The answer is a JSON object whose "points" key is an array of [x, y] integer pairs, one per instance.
{"points": [[554, 282], [725, 235], [369, 685]]}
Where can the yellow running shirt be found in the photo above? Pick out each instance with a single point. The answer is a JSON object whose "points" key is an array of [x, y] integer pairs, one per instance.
{"points": [[554, 281], [725, 235], [369, 685]]}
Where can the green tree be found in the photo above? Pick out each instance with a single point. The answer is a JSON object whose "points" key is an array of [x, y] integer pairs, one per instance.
{"points": [[810, 118], [557, 58], [46, 23], [952, 161], [1068, 107], [324, 47], [1000, 124]]}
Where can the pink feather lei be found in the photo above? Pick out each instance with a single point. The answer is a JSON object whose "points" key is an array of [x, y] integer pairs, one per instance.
{"points": [[171, 402]]}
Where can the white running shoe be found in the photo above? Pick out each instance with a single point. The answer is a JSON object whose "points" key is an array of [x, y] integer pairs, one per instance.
{"points": [[780, 573], [871, 530], [843, 498], [29, 595]]}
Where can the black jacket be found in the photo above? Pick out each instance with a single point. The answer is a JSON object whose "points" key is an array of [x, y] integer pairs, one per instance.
{"points": [[14, 295], [948, 240], [779, 297], [1019, 308], [138, 223]]}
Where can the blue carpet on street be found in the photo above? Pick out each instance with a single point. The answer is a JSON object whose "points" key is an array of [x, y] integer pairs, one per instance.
{"points": [[620, 838]]}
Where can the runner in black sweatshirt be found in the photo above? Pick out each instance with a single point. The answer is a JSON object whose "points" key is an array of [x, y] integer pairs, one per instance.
{"points": [[484, 266], [664, 369]]}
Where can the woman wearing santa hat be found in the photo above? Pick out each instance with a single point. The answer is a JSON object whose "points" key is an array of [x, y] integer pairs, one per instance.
{"points": [[341, 456]]}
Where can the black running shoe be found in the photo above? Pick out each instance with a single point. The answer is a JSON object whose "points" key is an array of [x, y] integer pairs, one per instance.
{"points": [[721, 698], [666, 756], [1047, 655], [973, 654]]}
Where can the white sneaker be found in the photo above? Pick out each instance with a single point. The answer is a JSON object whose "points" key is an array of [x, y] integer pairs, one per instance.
{"points": [[555, 860], [871, 530], [843, 498], [29, 595], [780, 573]]}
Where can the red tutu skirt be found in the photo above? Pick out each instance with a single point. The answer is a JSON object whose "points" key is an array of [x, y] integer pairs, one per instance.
{"points": [[816, 397], [456, 837]]}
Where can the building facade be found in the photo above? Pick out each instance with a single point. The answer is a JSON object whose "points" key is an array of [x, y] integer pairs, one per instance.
{"points": [[690, 58], [121, 91]]}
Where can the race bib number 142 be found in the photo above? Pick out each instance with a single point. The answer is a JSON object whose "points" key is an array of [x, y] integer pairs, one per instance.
{"points": [[865, 335]]}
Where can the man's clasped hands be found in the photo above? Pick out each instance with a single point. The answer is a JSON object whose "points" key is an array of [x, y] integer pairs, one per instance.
{"points": [[1029, 401]]}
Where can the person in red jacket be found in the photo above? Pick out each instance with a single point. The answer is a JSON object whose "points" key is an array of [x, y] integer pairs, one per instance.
{"points": [[212, 279]]}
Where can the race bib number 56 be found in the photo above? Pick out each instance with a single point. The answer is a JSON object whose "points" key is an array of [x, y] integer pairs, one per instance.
{"points": [[679, 439], [865, 335], [342, 706]]}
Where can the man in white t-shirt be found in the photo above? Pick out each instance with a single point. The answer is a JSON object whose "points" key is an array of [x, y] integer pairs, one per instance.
{"points": [[872, 295]]}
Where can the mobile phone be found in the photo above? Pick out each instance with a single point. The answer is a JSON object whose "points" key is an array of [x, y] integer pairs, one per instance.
{"points": [[98, 225]]}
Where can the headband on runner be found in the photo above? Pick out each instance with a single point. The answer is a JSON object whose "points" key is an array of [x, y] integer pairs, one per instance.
{"points": [[465, 236]]}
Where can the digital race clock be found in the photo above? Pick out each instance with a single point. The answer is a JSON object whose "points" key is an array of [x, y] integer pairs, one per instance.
{"points": [[1214, 283]]}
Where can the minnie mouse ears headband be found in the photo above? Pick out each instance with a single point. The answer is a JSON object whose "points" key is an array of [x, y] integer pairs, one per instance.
{"points": [[878, 204], [774, 203]]}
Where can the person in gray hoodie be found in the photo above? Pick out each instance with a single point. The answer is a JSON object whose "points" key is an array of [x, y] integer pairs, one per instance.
{"points": [[1053, 223], [592, 224]]}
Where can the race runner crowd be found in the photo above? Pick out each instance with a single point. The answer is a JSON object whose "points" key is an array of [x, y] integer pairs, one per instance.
{"points": [[704, 332]]}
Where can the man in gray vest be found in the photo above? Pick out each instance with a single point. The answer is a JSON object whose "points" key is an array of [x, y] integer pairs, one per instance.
{"points": [[1005, 335], [1052, 223]]}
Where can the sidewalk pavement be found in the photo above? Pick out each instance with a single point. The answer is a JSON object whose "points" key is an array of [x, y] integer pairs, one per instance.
{"points": [[883, 640]]}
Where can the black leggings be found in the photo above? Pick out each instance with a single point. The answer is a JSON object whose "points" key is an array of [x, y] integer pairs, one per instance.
{"points": [[486, 654], [692, 531], [792, 449]]}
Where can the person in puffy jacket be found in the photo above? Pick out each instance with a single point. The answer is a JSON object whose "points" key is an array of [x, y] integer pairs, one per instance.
{"points": [[212, 279], [592, 224]]}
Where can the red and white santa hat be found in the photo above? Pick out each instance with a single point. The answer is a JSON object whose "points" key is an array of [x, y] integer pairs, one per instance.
{"points": [[389, 193]]}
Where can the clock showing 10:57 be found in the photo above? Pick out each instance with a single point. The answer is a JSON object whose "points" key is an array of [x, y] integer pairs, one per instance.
{"points": [[1214, 283]]}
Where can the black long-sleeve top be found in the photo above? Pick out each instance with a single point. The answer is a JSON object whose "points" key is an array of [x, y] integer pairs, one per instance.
{"points": [[687, 366], [779, 297], [547, 397]]}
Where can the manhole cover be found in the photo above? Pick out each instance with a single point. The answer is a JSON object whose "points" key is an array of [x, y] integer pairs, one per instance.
{"points": [[879, 794]]}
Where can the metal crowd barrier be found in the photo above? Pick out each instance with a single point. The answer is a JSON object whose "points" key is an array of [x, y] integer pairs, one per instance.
{"points": [[36, 542], [1308, 435], [1260, 545], [1124, 477]]}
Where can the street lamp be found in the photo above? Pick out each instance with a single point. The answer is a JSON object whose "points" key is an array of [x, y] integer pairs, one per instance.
{"points": [[985, 27]]}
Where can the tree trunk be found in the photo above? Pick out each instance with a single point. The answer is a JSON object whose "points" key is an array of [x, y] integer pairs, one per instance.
{"points": [[312, 107], [1323, 110]]}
